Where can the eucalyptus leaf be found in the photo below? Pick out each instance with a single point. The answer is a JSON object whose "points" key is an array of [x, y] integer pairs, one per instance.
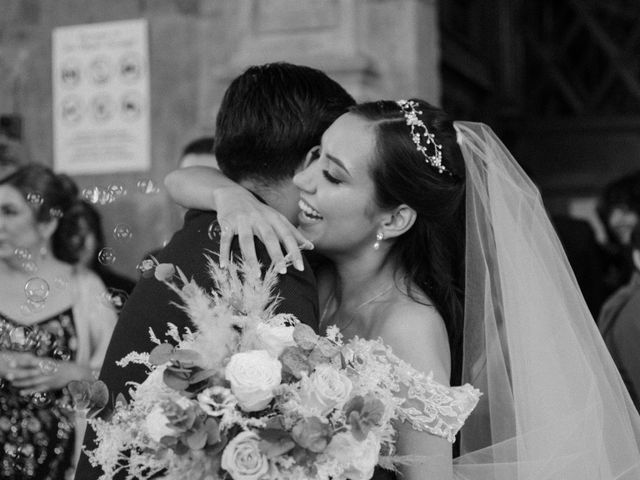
{"points": [[294, 362], [304, 336], [161, 354]]}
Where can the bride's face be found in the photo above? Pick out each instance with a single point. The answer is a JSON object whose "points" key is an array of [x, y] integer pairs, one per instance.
{"points": [[337, 210]]}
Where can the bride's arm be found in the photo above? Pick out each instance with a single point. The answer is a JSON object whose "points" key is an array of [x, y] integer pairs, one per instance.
{"points": [[417, 335], [239, 212]]}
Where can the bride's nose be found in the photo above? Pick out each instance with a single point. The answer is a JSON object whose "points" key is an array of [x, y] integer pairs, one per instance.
{"points": [[304, 178]]}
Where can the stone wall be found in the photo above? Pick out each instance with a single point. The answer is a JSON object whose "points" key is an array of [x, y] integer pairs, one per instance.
{"points": [[375, 48]]}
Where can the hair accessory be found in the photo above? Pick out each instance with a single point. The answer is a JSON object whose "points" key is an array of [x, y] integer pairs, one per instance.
{"points": [[420, 131]]}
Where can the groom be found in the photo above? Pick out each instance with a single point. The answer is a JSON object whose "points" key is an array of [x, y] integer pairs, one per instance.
{"points": [[269, 118]]}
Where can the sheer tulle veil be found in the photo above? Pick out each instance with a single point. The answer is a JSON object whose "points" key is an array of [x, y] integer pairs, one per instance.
{"points": [[553, 404]]}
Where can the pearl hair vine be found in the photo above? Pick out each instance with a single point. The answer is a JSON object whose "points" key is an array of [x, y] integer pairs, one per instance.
{"points": [[421, 135]]}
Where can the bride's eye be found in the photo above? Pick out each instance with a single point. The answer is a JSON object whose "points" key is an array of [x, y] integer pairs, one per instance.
{"points": [[330, 177]]}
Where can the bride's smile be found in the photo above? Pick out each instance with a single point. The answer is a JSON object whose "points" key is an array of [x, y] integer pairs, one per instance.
{"points": [[337, 206]]}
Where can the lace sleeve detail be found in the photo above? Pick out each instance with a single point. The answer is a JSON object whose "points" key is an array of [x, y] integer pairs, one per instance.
{"points": [[436, 408], [418, 399]]}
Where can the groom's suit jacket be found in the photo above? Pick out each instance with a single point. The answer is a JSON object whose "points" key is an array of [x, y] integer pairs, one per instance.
{"points": [[151, 305]]}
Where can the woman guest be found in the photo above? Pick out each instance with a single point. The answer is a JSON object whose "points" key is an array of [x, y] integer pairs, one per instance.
{"points": [[54, 323]]}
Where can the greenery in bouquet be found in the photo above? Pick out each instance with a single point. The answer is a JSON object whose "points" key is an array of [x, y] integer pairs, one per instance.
{"points": [[249, 394]]}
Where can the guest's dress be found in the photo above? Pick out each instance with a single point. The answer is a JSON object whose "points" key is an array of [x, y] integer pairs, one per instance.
{"points": [[37, 431]]}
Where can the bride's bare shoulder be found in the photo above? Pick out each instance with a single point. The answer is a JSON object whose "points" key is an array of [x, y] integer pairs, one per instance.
{"points": [[417, 333]]}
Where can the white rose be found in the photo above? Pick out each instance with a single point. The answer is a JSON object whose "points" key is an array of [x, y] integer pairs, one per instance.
{"points": [[243, 459], [253, 376], [357, 458], [275, 339], [325, 389], [157, 424]]}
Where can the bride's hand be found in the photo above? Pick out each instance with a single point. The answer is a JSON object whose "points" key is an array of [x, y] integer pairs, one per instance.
{"points": [[239, 212]]}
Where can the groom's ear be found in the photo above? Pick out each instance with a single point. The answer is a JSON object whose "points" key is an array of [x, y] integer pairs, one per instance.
{"points": [[398, 221]]}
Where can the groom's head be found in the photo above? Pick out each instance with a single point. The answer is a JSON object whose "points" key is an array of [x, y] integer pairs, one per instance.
{"points": [[270, 117]]}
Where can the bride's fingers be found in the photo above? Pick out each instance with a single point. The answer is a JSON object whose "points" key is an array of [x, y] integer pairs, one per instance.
{"points": [[292, 243], [226, 237], [247, 247], [272, 244]]}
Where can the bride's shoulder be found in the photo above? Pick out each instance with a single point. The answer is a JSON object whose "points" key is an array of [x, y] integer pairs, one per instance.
{"points": [[416, 333]]}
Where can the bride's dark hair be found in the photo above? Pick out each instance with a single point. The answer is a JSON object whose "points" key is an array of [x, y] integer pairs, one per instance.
{"points": [[432, 251]]}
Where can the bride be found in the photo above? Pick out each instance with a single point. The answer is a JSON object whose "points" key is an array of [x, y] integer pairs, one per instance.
{"points": [[438, 243]]}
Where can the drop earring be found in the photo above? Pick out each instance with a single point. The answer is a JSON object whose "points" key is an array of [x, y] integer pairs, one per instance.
{"points": [[379, 238]]}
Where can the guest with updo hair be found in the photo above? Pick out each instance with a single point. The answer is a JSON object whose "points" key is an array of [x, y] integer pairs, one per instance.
{"points": [[55, 323]]}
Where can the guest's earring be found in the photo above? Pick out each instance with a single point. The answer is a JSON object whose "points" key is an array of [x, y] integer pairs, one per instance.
{"points": [[379, 237], [43, 251]]}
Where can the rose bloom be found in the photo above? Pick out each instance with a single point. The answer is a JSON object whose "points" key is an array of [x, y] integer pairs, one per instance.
{"points": [[357, 458], [275, 339], [253, 376], [242, 457], [325, 389], [157, 424]]}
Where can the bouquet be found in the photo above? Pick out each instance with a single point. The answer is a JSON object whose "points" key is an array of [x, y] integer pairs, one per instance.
{"points": [[249, 394]]}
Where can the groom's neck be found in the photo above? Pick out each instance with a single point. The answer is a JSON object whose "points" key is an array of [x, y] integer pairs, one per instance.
{"points": [[282, 196]]}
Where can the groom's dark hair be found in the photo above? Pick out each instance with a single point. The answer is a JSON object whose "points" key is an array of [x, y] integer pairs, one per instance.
{"points": [[271, 116]]}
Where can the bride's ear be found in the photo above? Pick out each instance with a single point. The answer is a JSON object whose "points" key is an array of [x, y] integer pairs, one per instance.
{"points": [[398, 221]]}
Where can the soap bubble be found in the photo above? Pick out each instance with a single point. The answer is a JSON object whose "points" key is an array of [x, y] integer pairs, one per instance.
{"points": [[41, 399], [214, 230], [35, 199], [114, 298], [122, 232], [25, 310], [145, 266], [22, 254], [48, 366], [36, 289], [107, 256], [61, 282], [147, 186], [105, 197], [23, 339], [29, 266], [61, 353], [34, 306], [91, 194], [55, 212], [117, 190]]}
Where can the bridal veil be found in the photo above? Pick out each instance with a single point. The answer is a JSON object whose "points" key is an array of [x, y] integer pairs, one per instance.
{"points": [[553, 404]]}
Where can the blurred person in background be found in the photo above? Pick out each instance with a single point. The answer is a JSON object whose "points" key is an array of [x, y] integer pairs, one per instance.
{"points": [[198, 152], [583, 251], [12, 155], [88, 239], [54, 328], [619, 323], [619, 211]]}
